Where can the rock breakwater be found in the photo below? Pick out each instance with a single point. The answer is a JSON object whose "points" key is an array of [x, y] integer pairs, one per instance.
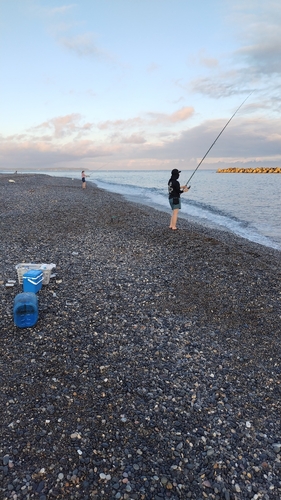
{"points": [[261, 170]]}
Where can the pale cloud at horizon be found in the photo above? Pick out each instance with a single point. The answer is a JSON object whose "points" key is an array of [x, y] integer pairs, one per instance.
{"points": [[133, 139], [189, 144]]}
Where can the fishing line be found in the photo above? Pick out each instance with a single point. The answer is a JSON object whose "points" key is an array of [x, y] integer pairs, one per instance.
{"points": [[98, 169], [217, 138]]}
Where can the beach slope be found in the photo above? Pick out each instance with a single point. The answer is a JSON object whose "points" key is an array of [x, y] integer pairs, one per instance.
{"points": [[153, 371]]}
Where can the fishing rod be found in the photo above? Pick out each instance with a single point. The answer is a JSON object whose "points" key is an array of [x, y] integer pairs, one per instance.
{"points": [[217, 138]]}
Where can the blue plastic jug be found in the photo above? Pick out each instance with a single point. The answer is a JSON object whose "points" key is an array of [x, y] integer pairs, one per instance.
{"points": [[25, 309]]}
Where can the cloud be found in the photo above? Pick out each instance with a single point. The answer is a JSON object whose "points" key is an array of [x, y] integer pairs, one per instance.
{"points": [[266, 91], [60, 10], [263, 57], [242, 139], [224, 84], [84, 46], [178, 116], [260, 37], [62, 141], [63, 126], [181, 115], [209, 62], [255, 64], [152, 68], [120, 124], [133, 139], [47, 12], [61, 25], [152, 118], [43, 154]]}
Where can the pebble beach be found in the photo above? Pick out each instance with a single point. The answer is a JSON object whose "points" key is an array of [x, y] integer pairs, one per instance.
{"points": [[153, 371]]}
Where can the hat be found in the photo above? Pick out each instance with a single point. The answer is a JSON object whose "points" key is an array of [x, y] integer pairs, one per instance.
{"points": [[175, 171]]}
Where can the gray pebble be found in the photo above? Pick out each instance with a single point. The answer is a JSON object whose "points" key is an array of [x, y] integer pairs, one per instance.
{"points": [[5, 459]]}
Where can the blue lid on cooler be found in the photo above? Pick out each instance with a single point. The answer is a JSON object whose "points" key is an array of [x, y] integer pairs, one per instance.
{"points": [[32, 280]]}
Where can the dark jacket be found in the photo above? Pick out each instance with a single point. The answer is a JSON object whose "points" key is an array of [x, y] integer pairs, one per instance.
{"points": [[174, 189]]}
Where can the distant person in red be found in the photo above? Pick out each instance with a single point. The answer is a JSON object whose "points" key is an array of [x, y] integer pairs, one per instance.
{"points": [[83, 176], [175, 190]]}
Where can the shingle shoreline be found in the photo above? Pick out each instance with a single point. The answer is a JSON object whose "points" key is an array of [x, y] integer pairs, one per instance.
{"points": [[153, 371]]}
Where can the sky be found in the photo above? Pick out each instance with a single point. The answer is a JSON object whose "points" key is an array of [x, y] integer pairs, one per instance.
{"points": [[139, 84]]}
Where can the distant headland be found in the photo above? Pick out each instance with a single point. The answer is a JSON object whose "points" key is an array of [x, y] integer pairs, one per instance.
{"points": [[260, 170]]}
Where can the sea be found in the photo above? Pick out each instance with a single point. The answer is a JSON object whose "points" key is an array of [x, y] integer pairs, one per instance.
{"points": [[247, 205]]}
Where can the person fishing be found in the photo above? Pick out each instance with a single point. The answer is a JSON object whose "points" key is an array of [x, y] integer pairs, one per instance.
{"points": [[83, 178], [174, 187], [174, 191]]}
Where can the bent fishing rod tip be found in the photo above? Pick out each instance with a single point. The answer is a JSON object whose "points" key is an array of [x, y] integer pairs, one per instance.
{"points": [[218, 137]]}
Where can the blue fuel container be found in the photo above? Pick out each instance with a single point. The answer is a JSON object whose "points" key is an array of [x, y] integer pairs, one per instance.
{"points": [[25, 309]]}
